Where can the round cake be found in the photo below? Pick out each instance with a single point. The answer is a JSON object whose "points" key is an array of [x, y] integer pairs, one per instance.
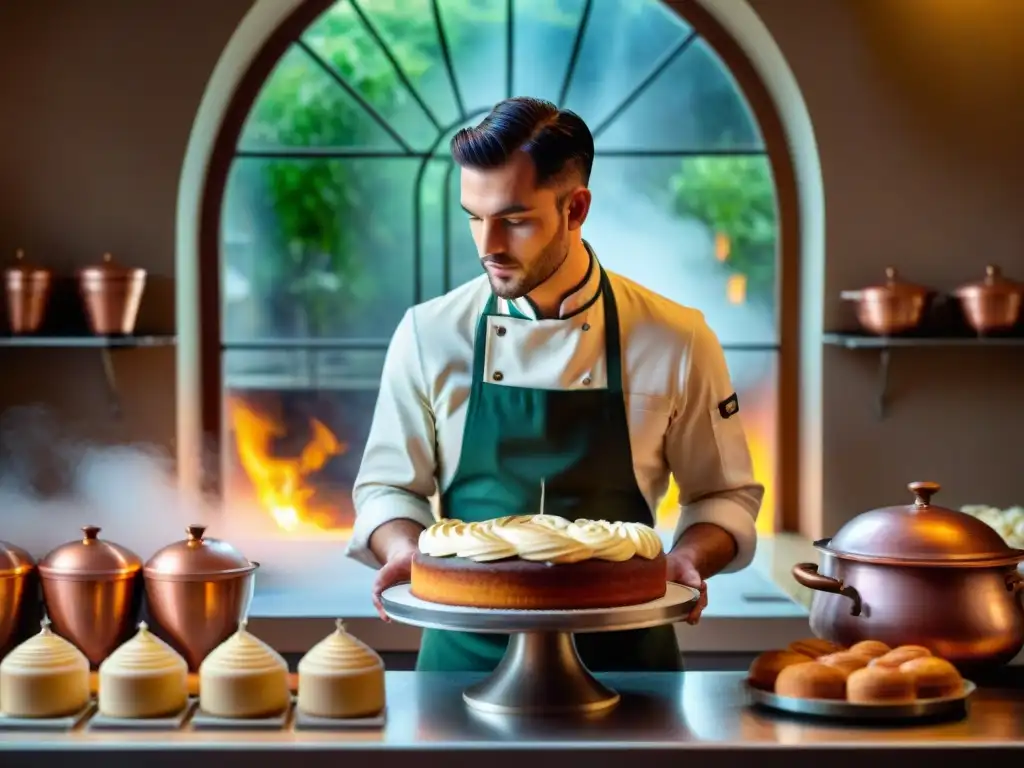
{"points": [[538, 562], [46, 676], [242, 678], [143, 678], [341, 677]]}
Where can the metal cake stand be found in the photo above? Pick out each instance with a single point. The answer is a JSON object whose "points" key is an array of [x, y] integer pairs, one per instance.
{"points": [[541, 671]]}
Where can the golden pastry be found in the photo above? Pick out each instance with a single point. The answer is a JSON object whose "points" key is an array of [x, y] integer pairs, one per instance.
{"points": [[243, 677], [45, 676], [341, 677], [811, 680], [879, 684], [145, 677]]}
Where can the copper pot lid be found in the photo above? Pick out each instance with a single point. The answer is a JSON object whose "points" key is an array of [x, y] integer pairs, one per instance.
{"points": [[992, 284], [893, 286], [197, 558], [14, 561], [23, 270], [109, 270], [922, 533], [90, 557]]}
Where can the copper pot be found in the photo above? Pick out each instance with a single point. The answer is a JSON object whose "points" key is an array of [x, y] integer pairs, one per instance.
{"points": [[991, 304], [891, 308], [923, 575], [92, 592], [16, 591], [198, 590], [112, 295], [28, 291]]}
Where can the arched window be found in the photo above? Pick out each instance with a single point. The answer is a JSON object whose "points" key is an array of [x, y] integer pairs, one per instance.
{"points": [[338, 209]]}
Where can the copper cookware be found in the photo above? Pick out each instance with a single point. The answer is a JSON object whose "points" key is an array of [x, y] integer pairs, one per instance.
{"points": [[890, 308], [919, 574], [28, 290], [16, 591], [991, 304], [112, 295], [198, 590], [92, 592]]}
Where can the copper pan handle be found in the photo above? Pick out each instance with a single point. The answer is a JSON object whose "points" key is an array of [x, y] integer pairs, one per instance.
{"points": [[806, 575], [1015, 584]]}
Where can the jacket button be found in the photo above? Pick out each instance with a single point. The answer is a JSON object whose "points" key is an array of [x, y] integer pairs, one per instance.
{"points": [[586, 381], [497, 376], [500, 330], [586, 326]]}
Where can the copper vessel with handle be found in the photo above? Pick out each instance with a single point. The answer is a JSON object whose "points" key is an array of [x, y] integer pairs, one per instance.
{"points": [[27, 288], [919, 574], [890, 308], [992, 304], [198, 590], [92, 591], [112, 296], [18, 591]]}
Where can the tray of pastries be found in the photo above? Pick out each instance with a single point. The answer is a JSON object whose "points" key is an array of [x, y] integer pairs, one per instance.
{"points": [[867, 681]]}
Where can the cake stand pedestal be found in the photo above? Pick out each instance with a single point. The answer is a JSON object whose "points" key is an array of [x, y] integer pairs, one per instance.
{"points": [[541, 671]]}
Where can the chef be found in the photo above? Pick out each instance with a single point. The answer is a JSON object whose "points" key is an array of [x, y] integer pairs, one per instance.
{"points": [[549, 367]]}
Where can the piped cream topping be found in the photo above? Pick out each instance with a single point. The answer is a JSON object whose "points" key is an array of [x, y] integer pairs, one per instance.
{"points": [[144, 653], [339, 652], [44, 652], [607, 545], [243, 652], [543, 538]]}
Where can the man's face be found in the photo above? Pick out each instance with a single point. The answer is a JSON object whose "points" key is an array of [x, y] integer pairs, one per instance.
{"points": [[521, 231]]}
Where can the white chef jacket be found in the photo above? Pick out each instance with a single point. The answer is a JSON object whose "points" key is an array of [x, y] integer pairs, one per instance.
{"points": [[674, 380]]}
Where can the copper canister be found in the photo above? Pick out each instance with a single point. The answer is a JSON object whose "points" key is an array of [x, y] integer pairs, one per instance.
{"points": [[28, 291], [991, 304], [93, 593], [198, 590], [893, 307], [17, 590], [112, 295]]}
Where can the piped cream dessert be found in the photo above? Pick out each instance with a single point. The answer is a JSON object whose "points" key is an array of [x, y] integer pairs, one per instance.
{"points": [[46, 676], [243, 677], [143, 678], [341, 677], [539, 562]]}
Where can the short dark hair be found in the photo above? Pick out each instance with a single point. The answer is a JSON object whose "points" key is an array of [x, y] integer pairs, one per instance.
{"points": [[557, 140]]}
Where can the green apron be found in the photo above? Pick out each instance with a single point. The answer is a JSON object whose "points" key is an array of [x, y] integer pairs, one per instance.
{"points": [[577, 442]]}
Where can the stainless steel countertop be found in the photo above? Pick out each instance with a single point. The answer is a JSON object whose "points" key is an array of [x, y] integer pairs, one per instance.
{"points": [[659, 713]]}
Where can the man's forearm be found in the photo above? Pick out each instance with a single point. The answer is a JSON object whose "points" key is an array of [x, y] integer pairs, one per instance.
{"points": [[709, 547], [392, 536]]}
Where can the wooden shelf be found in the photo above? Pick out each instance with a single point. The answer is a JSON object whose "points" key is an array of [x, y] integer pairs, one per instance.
{"points": [[884, 345]]}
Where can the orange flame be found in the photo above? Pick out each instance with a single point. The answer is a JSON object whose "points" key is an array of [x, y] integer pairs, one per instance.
{"points": [[280, 483]]}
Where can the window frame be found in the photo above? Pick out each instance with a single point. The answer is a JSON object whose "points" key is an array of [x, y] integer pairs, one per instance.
{"points": [[776, 148]]}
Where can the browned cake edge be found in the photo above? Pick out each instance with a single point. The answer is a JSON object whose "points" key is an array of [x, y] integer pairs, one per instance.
{"points": [[525, 585]]}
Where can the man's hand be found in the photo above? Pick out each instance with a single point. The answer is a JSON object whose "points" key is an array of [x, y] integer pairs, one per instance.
{"points": [[681, 570], [396, 569]]}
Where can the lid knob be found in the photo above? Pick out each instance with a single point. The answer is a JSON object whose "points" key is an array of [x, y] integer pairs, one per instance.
{"points": [[90, 532], [891, 274], [107, 258], [923, 492], [195, 532], [19, 254], [992, 273]]}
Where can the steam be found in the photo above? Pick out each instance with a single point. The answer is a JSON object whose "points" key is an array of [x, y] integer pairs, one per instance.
{"points": [[53, 482]]}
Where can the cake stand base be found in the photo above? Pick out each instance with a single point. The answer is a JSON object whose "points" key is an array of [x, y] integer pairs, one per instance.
{"points": [[540, 674]]}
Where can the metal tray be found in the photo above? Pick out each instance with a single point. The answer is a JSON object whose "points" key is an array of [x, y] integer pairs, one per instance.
{"points": [[401, 604], [832, 709]]}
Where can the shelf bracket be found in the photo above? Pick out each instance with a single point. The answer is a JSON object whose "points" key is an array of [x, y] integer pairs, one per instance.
{"points": [[106, 358], [882, 395]]}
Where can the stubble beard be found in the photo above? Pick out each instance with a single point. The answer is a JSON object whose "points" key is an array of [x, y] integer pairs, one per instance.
{"points": [[547, 263]]}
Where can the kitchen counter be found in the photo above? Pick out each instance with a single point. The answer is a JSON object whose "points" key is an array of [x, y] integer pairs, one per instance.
{"points": [[667, 717], [750, 611]]}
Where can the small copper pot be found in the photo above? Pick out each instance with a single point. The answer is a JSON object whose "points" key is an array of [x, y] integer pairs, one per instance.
{"points": [[17, 591], [198, 590], [112, 295], [891, 308], [919, 574], [93, 593], [28, 291], [991, 304]]}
